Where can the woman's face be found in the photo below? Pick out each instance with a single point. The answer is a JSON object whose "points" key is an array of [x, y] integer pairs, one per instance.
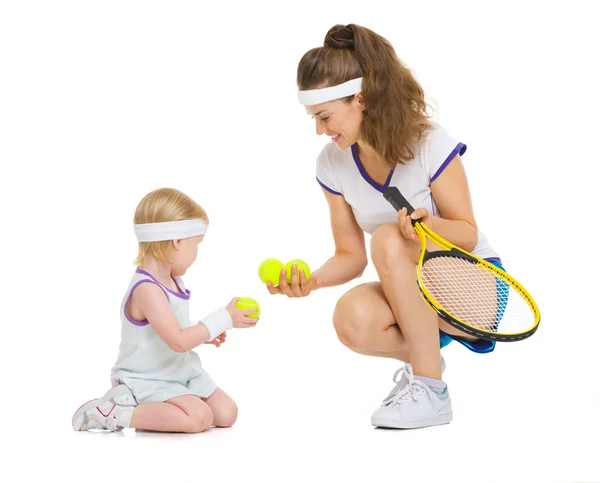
{"points": [[339, 119]]}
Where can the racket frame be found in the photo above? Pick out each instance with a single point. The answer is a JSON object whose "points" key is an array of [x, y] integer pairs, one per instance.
{"points": [[395, 198]]}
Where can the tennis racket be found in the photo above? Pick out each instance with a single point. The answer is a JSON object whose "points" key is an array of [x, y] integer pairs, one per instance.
{"points": [[468, 292]]}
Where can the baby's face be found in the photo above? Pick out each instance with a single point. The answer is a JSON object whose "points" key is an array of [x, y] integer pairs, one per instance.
{"points": [[186, 255]]}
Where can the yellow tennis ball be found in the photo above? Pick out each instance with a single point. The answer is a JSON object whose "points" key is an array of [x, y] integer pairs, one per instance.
{"points": [[269, 270], [301, 265], [247, 303]]}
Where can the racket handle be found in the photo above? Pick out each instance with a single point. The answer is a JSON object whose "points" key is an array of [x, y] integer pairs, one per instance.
{"points": [[395, 198]]}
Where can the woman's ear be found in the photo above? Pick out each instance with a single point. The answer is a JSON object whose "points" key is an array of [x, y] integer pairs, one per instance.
{"points": [[361, 101], [176, 244]]}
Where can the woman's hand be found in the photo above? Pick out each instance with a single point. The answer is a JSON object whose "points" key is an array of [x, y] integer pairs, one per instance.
{"points": [[405, 222], [294, 289]]}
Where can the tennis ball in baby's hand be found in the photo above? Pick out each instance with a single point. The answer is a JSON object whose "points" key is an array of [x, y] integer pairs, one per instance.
{"points": [[269, 270], [300, 265], [247, 303]]}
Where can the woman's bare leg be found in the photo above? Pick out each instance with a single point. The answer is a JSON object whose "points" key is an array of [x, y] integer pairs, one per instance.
{"points": [[395, 259], [365, 323]]}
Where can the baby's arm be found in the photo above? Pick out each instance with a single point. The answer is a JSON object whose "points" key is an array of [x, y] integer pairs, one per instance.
{"points": [[150, 302]]}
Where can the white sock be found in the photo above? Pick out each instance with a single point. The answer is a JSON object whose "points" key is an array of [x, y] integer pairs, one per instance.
{"points": [[436, 385], [124, 415]]}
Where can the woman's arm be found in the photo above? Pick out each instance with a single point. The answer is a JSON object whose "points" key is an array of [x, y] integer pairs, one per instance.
{"points": [[350, 258], [450, 190]]}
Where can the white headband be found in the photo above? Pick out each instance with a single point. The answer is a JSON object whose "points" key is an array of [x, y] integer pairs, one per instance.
{"points": [[318, 96], [170, 230]]}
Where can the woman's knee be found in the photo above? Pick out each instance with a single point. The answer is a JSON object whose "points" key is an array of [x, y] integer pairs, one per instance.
{"points": [[388, 246], [351, 319]]}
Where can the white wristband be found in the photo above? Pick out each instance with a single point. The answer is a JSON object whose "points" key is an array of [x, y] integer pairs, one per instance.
{"points": [[217, 323]]}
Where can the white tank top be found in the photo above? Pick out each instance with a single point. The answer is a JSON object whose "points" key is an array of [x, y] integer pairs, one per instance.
{"points": [[142, 352]]}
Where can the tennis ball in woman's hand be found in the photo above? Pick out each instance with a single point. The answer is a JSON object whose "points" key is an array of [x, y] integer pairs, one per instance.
{"points": [[269, 270], [247, 303], [301, 265]]}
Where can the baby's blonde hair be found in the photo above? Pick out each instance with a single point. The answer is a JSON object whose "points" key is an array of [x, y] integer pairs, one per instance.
{"points": [[161, 205]]}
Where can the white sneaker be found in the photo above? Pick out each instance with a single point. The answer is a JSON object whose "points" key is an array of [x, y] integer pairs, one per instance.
{"points": [[413, 406], [103, 413], [402, 382]]}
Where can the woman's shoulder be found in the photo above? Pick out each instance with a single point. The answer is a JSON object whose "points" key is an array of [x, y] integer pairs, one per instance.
{"points": [[437, 148], [331, 155], [435, 137], [433, 133], [332, 167]]}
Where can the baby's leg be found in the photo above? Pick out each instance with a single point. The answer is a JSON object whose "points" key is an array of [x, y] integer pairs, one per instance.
{"points": [[181, 414], [224, 409]]}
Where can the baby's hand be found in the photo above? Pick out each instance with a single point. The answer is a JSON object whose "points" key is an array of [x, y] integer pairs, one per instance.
{"points": [[218, 340], [239, 317]]}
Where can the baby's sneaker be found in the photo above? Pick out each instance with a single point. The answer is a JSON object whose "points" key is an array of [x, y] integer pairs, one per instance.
{"points": [[413, 405], [112, 411]]}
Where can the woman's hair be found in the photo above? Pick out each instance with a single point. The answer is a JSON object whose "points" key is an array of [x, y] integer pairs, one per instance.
{"points": [[395, 115], [161, 205]]}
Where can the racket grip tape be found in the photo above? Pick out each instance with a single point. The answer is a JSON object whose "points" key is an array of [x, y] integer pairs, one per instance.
{"points": [[395, 198]]}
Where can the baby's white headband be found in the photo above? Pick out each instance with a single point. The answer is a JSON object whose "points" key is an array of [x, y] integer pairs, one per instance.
{"points": [[318, 96], [170, 230]]}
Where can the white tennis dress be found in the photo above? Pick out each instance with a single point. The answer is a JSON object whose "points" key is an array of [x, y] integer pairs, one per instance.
{"points": [[146, 364]]}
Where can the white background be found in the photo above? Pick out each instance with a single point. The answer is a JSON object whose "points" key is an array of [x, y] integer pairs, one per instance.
{"points": [[102, 102]]}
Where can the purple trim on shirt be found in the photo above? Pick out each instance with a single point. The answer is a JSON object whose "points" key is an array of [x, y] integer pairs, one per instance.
{"points": [[459, 149], [187, 292], [364, 173], [180, 295], [137, 322], [493, 259], [325, 187]]}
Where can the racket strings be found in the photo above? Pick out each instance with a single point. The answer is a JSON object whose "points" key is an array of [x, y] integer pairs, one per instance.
{"points": [[475, 296]]}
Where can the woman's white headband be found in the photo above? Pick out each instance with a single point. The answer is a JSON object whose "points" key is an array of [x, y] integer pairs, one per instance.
{"points": [[170, 230], [318, 96]]}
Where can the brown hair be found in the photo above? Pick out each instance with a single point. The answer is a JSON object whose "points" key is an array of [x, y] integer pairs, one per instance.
{"points": [[161, 205], [395, 115]]}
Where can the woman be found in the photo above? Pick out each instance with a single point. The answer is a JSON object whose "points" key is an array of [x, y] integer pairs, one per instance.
{"points": [[363, 97]]}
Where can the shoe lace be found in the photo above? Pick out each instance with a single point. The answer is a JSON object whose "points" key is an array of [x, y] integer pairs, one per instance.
{"points": [[411, 392], [397, 387]]}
